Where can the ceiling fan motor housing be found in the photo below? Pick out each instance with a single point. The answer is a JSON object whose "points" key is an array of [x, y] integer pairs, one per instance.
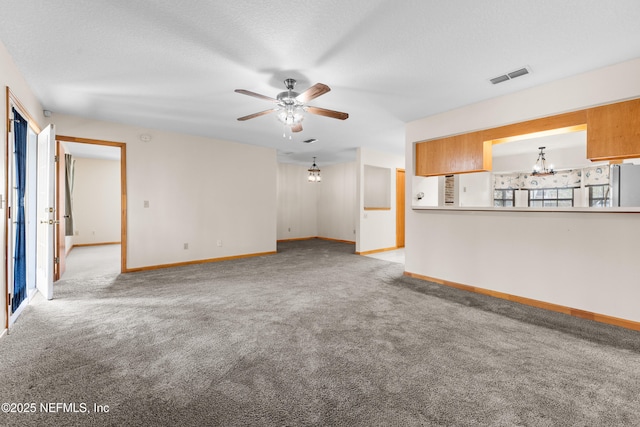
{"points": [[288, 97]]}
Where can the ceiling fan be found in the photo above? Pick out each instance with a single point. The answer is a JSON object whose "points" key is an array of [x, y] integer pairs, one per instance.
{"points": [[291, 105]]}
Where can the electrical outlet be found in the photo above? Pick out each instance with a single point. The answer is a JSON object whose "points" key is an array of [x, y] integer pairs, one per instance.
{"points": [[186, 246], [219, 242], [289, 229], [146, 203]]}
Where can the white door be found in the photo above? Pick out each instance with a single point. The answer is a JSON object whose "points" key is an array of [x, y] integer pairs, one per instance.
{"points": [[46, 211]]}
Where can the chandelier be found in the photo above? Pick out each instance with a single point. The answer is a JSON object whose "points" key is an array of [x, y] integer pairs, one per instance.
{"points": [[314, 172], [540, 168]]}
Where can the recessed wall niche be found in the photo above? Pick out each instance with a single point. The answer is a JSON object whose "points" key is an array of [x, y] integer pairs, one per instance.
{"points": [[377, 187]]}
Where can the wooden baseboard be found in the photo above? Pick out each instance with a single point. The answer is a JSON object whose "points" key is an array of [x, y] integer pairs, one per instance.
{"points": [[316, 237], [79, 245], [200, 261], [84, 245], [375, 251], [297, 239], [336, 240], [602, 318]]}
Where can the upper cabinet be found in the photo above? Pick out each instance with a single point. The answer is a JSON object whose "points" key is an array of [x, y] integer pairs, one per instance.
{"points": [[455, 154], [613, 131]]}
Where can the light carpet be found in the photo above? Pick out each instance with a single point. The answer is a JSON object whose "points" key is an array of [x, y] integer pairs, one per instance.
{"points": [[311, 336]]}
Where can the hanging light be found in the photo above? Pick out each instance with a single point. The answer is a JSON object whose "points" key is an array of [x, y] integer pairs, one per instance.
{"points": [[314, 172], [291, 110], [540, 168]]}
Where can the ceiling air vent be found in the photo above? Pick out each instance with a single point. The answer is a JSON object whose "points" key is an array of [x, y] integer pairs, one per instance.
{"points": [[499, 79], [512, 75], [309, 141]]}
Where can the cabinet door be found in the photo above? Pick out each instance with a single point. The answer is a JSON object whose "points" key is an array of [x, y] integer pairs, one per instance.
{"points": [[613, 131], [455, 154]]}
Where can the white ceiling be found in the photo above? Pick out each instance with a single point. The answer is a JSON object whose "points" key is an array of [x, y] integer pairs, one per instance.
{"points": [[92, 151], [174, 64], [551, 143]]}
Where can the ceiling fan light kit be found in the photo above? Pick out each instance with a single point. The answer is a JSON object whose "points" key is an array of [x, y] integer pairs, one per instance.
{"points": [[291, 106]]}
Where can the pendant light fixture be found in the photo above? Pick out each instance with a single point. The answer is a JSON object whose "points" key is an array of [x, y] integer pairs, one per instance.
{"points": [[314, 172], [540, 168]]}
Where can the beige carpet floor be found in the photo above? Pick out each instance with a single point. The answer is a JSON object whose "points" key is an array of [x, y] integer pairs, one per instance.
{"points": [[311, 336]]}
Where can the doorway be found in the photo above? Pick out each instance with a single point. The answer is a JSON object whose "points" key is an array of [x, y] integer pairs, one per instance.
{"points": [[20, 218], [94, 156], [20, 237]]}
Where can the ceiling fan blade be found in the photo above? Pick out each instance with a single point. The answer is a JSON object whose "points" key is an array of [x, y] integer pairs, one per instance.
{"points": [[255, 95], [296, 127], [254, 115], [327, 113], [313, 92]]}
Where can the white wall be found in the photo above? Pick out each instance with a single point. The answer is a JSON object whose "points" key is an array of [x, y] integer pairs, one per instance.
{"points": [[96, 201], [326, 209], [338, 202], [428, 186], [11, 77], [297, 202], [200, 191], [377, 228], [566, 158], [590, 259], [475, 189]]}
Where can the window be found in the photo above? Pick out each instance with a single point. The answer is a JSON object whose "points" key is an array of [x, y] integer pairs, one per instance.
{"points": [[599, 196], [503, 198], [551, 197]]}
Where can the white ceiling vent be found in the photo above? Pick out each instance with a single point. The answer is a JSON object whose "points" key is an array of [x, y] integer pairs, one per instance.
{"points": [[512, 75]]}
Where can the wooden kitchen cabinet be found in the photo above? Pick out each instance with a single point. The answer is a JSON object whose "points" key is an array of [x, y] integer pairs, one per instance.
{"points": [[455, 154], [613, 131]]}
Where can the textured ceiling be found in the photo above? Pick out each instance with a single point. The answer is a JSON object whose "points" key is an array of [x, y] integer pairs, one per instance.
{"points": [[174, 64]]}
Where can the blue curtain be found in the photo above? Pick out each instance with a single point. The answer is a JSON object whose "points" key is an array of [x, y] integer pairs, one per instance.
{"points": [[19, 265]]}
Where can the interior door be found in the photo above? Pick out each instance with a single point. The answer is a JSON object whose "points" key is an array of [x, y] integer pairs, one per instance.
{"points": [[45, 206], [400, 211]]}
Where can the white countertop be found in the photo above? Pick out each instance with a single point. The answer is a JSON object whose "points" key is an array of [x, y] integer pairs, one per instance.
{"points": [[527, 209]]}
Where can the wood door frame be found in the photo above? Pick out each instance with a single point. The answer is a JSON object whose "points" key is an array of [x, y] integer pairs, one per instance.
{"points": [[400, 207], [123, 189], [59, 251]]}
